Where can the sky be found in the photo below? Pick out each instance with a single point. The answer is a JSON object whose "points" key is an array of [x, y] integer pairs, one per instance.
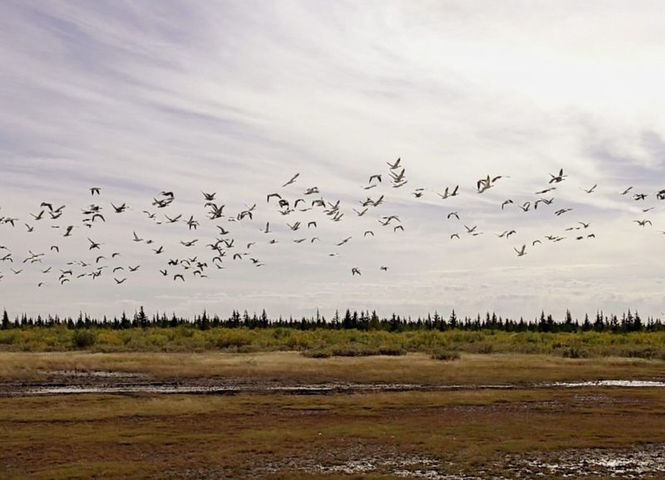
{"points": [[236, 97]]}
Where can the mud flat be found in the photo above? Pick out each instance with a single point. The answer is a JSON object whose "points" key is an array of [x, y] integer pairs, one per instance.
{"points": [[280, 416], [68, 382]]}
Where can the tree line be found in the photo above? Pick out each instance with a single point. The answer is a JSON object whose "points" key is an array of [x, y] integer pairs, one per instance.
{"points": [[363, 320]]}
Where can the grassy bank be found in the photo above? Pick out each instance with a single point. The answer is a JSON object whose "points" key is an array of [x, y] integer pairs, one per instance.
{"points": [[293, 368], [326, 343]]}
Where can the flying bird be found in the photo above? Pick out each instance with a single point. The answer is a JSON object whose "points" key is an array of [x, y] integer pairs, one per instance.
{"points": [[293, 179]]}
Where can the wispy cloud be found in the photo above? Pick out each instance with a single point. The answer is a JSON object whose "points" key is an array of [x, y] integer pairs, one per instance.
{"points": [[235, 97]]}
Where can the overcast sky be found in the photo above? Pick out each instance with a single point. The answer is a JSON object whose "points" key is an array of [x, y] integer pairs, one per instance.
{"points": [[237, 97]]}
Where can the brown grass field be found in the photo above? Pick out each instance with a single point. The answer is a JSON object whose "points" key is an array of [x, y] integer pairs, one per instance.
{"points": [[473, 432]]}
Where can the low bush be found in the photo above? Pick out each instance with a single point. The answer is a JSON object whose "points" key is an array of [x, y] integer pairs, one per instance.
{"points": [[83, 339], [445, 355]]}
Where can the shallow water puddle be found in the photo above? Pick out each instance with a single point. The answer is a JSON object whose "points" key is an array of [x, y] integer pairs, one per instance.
{"points": [[127, 383]]}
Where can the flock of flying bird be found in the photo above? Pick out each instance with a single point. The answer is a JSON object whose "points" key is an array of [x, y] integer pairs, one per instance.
{"points": [[225, 248]]}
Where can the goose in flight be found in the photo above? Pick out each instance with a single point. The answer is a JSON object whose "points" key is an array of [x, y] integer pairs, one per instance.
{"points": [[119, 209], [374, 177], [94, 245], [94, 190], [626, 191], [178, 276], [217, 211], [344, 241], [543, 200], [543, 192], [452, 214], [312, 190], [136, 238], [293, 179], [470, 229], [191, 223], [271, 195], [454, 235], [642, 223], [507, 202], [394, 166], [558, 178], [640, 196], [486, 183], [590, 190], [384, 268], [190, 243], [355, 271], [449, 193], [562, 211], [398, 177], [389, 218], [368, 232], [133, 269], [521, 252], [118, 282], [209, 197]]}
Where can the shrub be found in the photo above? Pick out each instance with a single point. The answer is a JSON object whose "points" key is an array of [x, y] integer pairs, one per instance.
{"points": [[230, 339], [318, 353], [573, 352], [83, 339], [391, 350], [445, 355]]}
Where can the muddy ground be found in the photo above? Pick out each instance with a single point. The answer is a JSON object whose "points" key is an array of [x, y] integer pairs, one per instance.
{"points": [[81, 423], [62, 382]]}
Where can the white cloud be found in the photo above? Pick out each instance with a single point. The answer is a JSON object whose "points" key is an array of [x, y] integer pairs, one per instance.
{"points": [[235, 97]]}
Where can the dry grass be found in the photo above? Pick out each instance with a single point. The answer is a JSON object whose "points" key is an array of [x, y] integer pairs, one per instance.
{"points": [[293, 367]]}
